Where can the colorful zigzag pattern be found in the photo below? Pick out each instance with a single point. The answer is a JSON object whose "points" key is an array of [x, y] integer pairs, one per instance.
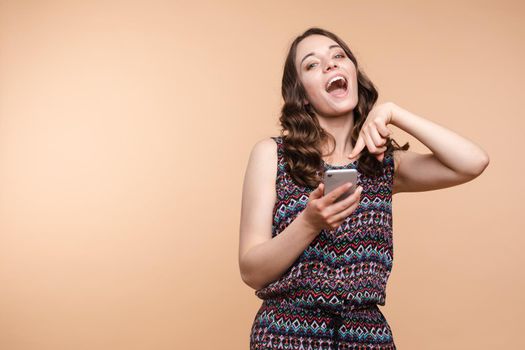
{"points": [[328, 298]]}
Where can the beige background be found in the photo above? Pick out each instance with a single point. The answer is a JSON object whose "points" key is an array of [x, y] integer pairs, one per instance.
{"points": [[125, 130]]}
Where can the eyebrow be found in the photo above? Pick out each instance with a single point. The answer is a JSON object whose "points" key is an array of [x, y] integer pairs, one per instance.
{"points": [[312, 53]]}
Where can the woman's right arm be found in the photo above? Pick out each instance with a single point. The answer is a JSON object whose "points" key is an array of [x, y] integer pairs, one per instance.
{"points": [[263, 259]]}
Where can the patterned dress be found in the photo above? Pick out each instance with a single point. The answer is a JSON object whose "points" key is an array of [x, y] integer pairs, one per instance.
{"points": [[328, 299]]}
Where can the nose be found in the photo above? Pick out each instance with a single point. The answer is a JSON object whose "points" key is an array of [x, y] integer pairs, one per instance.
{"points": [[330, 65]]}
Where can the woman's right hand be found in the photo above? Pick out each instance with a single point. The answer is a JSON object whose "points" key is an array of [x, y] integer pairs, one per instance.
{"points": [[322, 212]]}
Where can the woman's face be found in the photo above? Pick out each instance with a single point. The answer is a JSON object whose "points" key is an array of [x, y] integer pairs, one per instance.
{"points": [[318, 61]]}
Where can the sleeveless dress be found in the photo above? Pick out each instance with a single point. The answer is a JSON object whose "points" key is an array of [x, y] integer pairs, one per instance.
{"points": [[328, 299]]}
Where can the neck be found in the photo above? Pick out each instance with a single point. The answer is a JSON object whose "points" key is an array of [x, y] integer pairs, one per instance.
{"points": [[340, 128]]}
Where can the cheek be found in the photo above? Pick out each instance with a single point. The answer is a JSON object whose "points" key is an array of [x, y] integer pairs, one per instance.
{"points": [[311, 87]]}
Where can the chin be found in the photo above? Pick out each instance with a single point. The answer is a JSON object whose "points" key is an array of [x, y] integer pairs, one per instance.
{"points": [[342, 110]]}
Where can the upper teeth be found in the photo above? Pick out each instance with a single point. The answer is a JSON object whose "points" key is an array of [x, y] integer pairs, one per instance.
{"points": [[334, 79]]}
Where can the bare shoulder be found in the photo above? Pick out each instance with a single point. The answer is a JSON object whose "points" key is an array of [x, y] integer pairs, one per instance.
{"points": [[265, 147], [398, 156], [263, 157], [261, 171]]}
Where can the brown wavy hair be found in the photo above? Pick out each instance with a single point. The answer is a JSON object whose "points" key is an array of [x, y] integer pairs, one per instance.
{"points": [[301, 132]]}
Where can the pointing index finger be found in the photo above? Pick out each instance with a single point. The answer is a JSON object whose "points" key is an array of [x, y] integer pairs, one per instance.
{"points": [[359, 145]]}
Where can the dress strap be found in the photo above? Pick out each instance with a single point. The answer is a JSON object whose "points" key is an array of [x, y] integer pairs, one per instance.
{"points": [[281, 164], [389, 167]]}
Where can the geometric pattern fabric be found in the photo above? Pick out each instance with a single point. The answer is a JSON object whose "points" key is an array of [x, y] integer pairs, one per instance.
{"points": [[328, 298]]}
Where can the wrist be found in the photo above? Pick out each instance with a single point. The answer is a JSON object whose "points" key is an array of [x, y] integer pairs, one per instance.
{"points": [[393, 112], [307, 226]]}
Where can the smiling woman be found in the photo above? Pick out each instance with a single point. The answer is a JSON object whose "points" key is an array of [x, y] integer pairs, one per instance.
{"points": [[312, 77], [326, 95], [321, 266]]}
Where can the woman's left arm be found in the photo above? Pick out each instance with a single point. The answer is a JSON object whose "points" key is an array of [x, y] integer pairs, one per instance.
{"points": [[454, 159]]}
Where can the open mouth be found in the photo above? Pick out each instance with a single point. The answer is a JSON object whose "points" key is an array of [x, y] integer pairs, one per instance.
{"points": [[337, 86]]}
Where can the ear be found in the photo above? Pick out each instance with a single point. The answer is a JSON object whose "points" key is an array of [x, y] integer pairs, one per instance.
{"points": [[305, 102]]}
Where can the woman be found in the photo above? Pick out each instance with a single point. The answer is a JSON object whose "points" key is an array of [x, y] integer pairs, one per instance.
{"points": [[321, 265]]}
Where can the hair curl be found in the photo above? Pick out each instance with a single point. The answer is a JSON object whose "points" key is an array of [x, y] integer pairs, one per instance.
{"points": [[302, 134]]}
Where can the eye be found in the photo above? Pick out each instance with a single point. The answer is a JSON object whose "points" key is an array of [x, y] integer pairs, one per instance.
{"points": [[309, 66], [340, 54]]}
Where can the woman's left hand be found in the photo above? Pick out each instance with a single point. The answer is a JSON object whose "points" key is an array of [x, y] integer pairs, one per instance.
{"points": [[374, 132]]}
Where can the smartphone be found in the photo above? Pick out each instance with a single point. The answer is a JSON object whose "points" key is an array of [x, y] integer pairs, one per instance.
{"points": [[334, 178]]}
